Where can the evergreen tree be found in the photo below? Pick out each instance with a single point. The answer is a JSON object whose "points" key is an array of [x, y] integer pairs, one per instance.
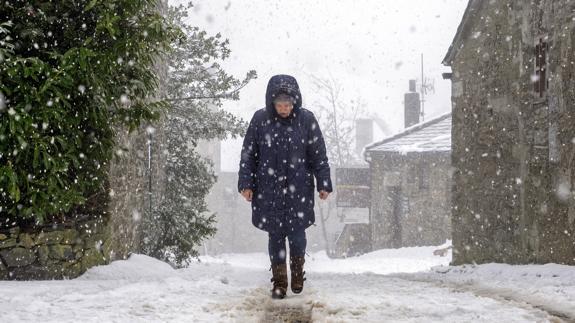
{"points": [[197, 86]]}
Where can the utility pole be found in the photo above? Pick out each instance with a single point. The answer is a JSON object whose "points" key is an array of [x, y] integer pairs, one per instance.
{"points": [[423, 90], [425, 85], [150, 173]]}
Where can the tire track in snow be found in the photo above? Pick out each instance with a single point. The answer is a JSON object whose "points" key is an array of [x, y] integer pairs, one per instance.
{"points": [[373, 298], [258, 306], [498, 294]]}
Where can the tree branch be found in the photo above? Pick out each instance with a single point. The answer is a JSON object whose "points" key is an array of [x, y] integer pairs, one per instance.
{"points": [[227, 95]]}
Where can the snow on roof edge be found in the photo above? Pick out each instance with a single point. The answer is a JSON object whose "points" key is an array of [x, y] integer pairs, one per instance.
{"points": [[406, 131]]}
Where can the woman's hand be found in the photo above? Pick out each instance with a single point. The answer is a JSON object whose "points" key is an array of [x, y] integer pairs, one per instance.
{"points": [[248, 194], [323, 195]]}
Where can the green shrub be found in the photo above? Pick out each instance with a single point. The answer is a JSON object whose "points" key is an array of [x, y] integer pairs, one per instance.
{"points": [[70, 71]]}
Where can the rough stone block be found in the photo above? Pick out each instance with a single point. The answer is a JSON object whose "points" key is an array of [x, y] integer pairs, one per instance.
{"points": [[65, 252], [92, 257], [49, 237], [78, 250], [14, 232], [91, 228], [8, 243], [73, 270], [43, 254], [3, 237], [55, 271], [26, 240], [18, 257], [70, 236], [94, 241]]}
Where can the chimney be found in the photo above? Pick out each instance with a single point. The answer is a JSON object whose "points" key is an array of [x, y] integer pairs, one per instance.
{"points": [[363, 134], [412, 105]]}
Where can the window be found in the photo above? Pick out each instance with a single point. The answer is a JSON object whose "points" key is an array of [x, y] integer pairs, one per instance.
{"points": [[423, 176], [541, 83]]}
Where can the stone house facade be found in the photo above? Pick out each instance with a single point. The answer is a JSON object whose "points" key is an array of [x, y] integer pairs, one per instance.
{"points": [[513, 94], [411, 186]]}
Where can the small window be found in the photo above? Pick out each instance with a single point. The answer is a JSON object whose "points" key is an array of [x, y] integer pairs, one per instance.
{"points": [[405, 208], [423, 176], [541, 83]]}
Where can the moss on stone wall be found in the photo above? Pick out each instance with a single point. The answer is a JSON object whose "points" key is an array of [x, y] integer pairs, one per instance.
{"points": [[53, 253]]}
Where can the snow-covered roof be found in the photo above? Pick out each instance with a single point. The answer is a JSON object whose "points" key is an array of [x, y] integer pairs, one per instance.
{"points": [[430, 136]]}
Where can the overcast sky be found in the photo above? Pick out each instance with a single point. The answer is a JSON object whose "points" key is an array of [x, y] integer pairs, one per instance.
{"points": [[372, 47]]}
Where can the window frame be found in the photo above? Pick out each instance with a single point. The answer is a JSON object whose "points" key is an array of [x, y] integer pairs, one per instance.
{"points": [[541, 66]]}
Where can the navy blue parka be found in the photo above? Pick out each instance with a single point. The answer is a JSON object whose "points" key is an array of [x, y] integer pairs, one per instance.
{"points": [[280, 158]]}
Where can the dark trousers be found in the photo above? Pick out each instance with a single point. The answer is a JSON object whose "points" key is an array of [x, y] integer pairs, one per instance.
{"points": [[277, 245]]}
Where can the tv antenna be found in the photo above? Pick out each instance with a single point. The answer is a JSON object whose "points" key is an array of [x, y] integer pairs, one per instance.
{"points": [[426, 86]]}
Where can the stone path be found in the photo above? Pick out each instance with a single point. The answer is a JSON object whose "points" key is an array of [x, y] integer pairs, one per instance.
{"points": [[277, 312]]}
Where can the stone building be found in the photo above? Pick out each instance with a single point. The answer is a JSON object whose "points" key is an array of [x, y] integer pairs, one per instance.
{"points": [[411, 186], [513, 94]]}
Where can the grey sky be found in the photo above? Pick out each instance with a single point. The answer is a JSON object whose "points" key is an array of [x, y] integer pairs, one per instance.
{"points": [[372, 47]]}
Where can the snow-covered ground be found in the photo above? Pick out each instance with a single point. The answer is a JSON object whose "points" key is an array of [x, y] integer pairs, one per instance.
{"points": [[550, 287], [383, 286], [405, 260]]}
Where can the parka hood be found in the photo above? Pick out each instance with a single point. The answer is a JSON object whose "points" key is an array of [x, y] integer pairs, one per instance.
{"points": [[282, 84]]}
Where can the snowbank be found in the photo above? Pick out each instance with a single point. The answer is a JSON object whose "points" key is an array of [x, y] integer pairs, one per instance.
{"points": [[383, 262], [137, 267]]}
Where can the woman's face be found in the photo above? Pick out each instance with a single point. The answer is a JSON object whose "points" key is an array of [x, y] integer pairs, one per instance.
{"points": [[284, 108]]}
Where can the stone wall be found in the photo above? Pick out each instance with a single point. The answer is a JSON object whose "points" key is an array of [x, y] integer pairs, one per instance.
{"points": [[512, 148], [129, 176], [55, 253], [411, 199]]}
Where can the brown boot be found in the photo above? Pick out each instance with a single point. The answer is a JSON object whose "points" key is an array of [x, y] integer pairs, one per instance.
{"points": [[297, 274], [280, 281]]}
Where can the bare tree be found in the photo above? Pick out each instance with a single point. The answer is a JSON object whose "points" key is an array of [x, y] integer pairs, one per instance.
{"points": [[337, 116]]}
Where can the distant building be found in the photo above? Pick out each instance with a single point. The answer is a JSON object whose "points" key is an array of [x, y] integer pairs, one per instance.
{"points": [[352, 195], [411, 185], [353, 203], [234, 219], [513, 100], [235, 231]]}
